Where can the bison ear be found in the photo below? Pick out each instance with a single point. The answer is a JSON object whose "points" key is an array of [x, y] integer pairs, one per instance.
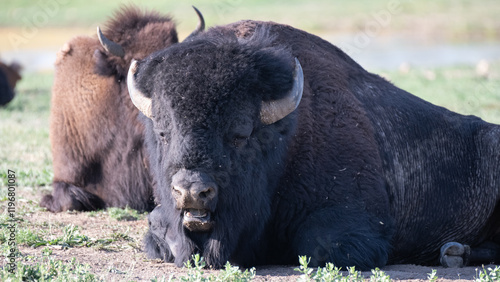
{"points": [[102, 64], [275, 110]]}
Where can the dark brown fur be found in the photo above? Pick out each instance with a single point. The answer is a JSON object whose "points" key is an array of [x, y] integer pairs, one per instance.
{"points": [[9, 76], [97, 142]]}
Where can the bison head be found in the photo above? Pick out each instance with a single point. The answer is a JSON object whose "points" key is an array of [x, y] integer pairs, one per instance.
{"points": [[134, 34], [219, 125]]}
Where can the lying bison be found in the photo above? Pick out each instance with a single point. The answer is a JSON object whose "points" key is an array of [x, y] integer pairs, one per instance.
{"points": [[267, 143], [97, 141], [9, 76]]}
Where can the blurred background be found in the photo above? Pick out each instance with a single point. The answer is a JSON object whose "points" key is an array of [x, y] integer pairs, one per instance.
{"points": [[380, 34], [445, 51]]}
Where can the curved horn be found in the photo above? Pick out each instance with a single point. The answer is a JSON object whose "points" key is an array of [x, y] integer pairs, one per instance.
{"points": [[110, 46], [140, 101], [200, 27], [272, 111]]}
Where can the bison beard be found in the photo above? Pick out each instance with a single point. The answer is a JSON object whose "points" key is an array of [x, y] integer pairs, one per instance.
{"points": [[358, 174]]}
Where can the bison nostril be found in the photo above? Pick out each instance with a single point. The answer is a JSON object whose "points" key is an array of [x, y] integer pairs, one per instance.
{"points": [[208, 193]]}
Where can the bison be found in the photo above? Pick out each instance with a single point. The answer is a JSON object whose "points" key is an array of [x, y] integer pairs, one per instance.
{"points": [[96, 139], [267, 143], [9, 76]]}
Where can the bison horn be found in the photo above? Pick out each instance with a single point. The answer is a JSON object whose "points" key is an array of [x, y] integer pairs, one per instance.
{"points": [[141, 101], [272, 111], [110, 46], [200, 27]]}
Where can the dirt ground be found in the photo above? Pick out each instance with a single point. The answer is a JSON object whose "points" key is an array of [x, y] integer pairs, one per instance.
{"points": [[124, 259]]}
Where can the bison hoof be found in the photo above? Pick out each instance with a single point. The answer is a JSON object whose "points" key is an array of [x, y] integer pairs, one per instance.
{"points": [[454, 255]]}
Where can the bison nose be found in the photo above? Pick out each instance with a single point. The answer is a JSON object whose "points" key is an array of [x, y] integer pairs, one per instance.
{"points": [[194, 190], [197, 196], [203, 192], [197, 192]]}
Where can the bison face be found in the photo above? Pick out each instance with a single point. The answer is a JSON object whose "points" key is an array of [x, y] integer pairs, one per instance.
{"points": [[219, 127]]}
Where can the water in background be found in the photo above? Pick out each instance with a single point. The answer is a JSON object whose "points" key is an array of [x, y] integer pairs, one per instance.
{"points": [[378, 54]]}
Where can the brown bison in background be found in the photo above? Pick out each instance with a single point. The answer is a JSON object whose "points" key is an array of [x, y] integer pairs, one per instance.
{"points": [[97, 141], [9, 76]]}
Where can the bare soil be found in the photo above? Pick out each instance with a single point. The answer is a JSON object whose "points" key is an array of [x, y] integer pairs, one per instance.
{"points": [[124, 260]]}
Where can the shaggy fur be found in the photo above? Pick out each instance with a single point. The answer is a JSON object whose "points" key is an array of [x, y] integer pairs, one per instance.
{"points": [[9, 76], [97, 141], [361, 174]]}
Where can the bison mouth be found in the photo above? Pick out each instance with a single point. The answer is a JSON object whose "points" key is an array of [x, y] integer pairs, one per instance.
{"points": [[197, 220]]}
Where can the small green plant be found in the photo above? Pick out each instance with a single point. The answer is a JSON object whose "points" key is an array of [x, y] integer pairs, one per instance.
{"points": [[233, 273], [432, 276], [46, 251], [304, 268], [491, 274], [195, 272], [126, 214], [331, 273], [379, 276], [72, 237]]}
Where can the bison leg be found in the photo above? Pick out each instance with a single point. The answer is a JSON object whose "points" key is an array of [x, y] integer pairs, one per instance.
{"points": [[154, 241], [166, 240], [346, 239], [69, 197], [454, 254]]}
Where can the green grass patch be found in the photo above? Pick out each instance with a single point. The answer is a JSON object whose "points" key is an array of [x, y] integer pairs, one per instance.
{"points": [[25, 235], [28, 235], [487, 275], [332, 273], [46, 268], [456, 88], [25, 146], [126, 214], [195, 272]]}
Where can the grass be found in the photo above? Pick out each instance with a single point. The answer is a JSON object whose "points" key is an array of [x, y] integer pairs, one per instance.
{"points": [[332, 273], [71, 237], [457, 88], [195, 272], [490, 274], [24, 146], [126, 214], [46, 268]]}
